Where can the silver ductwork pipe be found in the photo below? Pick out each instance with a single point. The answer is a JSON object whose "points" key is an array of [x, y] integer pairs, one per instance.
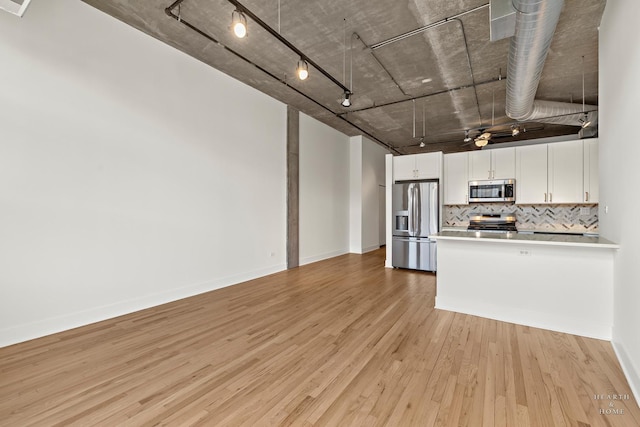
{"points": [[536, 22], [562, 113]]}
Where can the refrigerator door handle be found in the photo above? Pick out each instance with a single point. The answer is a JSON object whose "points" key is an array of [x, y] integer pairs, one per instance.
{"points": [[410, 205], [410, 208], [416, 209]]}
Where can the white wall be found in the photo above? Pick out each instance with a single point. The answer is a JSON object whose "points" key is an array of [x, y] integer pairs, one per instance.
{"points": [[355, 195], [367, 175], [619, 173], [324, 191], [130, 173]]}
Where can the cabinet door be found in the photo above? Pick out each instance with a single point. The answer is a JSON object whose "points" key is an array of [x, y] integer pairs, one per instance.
{"points": [[479, 165], [531, 174], [456, 179], [404, 167], [565, 181], [428, 165], [591, 156], [503, 163]]}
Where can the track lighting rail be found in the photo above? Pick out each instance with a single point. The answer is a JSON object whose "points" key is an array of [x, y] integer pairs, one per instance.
{"points": [[169, 12], [240, 7], [440, 92]]}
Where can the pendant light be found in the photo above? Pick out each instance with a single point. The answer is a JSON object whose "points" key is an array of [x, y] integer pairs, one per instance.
{"points": [[414, 118], [302, 70], [346, 99], [467, 138], [585, 120], [239, 24], [346, 96], [422, 144], [484, 138]]}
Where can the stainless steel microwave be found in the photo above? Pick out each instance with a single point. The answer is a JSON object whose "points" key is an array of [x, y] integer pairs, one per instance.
{"points": [[495, 190]]}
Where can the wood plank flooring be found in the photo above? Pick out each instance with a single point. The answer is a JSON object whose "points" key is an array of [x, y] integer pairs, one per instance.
{"points": [[342, 342]]}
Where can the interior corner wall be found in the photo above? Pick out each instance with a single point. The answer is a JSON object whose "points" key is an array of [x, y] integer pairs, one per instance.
{"points": [[373, 177], [367, 177], [619, 68], [355, 195], [130, 173], [324, 191]]}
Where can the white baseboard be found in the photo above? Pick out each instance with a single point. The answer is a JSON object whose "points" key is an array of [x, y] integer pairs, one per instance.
{"points": [[370, 248], [557, 323], [39, 328], [631, 372], [321, 257]]}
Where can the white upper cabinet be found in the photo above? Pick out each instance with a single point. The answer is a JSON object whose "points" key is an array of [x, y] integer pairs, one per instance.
{"points": [[550, 173], [479, 165], [456, 179], [417, 166], [531, 174], [428, 165], [565, 180], [499, 163], [503, 163], [591, 156], [404, 167]]}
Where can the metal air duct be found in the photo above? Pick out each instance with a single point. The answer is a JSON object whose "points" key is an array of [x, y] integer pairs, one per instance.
{"points": [[536, 22]]}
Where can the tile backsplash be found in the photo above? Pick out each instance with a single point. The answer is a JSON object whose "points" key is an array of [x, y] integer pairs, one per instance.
{"points": [[561, 218]]}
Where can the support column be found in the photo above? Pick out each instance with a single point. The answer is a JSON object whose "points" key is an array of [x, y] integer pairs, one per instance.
{"points": [[293, 184]]}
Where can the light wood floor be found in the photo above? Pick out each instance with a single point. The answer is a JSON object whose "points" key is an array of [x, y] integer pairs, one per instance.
{"points": [[339, 342]]}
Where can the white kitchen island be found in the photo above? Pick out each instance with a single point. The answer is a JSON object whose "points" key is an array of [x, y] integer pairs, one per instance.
{"points": [[557, 282]]}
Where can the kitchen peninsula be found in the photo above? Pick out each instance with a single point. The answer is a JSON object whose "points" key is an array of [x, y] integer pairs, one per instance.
{"points": [[552, 281]]}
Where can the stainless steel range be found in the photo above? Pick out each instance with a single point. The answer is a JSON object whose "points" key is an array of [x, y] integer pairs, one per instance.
{"points": [[499, 223]]}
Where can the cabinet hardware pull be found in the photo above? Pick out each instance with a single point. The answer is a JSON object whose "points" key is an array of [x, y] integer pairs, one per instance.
{"points": [[550, 197], [586, 194], [545, 197]]}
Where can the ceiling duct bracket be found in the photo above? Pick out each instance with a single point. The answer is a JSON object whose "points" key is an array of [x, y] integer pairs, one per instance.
{"points": [[502, 17]]}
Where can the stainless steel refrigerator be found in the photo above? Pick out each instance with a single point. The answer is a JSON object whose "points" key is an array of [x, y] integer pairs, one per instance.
{"points": [[415, 217]]}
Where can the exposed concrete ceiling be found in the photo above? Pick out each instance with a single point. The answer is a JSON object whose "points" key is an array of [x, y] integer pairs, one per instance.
{"points": [[466, 71]]}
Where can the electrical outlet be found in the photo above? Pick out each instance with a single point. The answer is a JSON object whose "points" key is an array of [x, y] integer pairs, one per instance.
{"points": [[585, 211], [524, 252]]}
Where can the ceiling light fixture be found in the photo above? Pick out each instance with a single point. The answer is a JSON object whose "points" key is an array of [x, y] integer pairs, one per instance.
{"points": [[585, 121], [515, 130], [302, 70], [346, 96], [424, 126], [483, 139], [239, 24], [346, 99], [467, 138]]}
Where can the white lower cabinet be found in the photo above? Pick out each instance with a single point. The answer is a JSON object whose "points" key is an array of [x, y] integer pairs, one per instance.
{"points": [[456, 179]]}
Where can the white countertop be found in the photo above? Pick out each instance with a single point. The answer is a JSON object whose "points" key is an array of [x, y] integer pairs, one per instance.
{"points": [[527, 238]]}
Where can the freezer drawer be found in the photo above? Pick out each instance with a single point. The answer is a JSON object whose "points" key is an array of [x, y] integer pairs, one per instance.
{"points": [[414, 253]]}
